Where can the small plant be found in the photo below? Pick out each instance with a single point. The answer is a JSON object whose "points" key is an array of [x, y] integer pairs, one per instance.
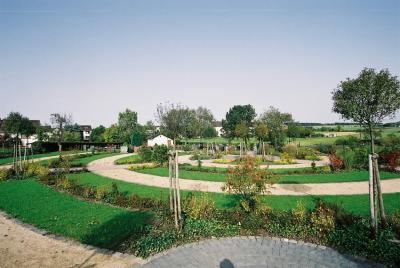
{"points": [[101, 192], [286, 158], [202, 207], [5, 174], [336, 162], [322, 219], [299, 213]]}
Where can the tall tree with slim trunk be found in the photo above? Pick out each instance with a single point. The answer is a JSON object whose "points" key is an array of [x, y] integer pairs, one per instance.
{"points": [[59, 121], [368, 100], [261, 132]]}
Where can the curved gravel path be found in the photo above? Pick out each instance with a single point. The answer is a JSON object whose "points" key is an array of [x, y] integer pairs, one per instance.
{"points": [[106, 167], [253, 252]]}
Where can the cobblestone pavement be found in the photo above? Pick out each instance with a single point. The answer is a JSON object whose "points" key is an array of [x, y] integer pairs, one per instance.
{"points": [[106, 167], [253, 252]]}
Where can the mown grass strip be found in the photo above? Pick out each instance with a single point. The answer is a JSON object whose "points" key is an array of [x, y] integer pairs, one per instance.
{"points": [[90, 223]]}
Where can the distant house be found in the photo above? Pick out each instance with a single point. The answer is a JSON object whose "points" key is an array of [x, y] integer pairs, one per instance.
{"points": [[218, 128], [160, 140], [86, 130], [26, 141]]}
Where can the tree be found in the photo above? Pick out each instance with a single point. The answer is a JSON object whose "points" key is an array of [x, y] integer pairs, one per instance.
{"points": [[204, 120], [176, 120], [127, 122], [242, 131], [261, 132], [368, 100], [151, 130], [138, 136], [111, 134], [97, 134], [249, 182], [59, 121], [209, 132], [13, 124], [275, 122], [236, 115]]}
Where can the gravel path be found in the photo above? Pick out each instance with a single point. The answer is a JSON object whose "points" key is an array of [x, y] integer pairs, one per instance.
{"points": [[106, 167], [253, 252], [24, 246]]}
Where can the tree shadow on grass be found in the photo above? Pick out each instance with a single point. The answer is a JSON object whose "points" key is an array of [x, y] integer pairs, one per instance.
{"points": [[112, 233]]}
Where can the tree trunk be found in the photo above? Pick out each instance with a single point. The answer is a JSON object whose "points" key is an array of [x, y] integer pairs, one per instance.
{"points": [[380, 197], [372, 197]]}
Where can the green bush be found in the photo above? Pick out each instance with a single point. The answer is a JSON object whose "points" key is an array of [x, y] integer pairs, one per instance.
{"points": [[202, 207], [145, 154], [5, 174], [160, 154]]}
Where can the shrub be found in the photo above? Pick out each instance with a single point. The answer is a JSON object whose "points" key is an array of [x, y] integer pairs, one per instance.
{"points": [[223, 161], [101, 192], [5, 174], [64, 183], [299, 213], [325, 148], [89, 192], [202, 207], [160, 154], [145, 153], [286, 158], [322, 219], [154, 242], [348, 160], [392, 159], [291, 150], [336, 162]]}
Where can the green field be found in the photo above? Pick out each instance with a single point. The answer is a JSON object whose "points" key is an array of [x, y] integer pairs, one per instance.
{"points": [[357, 204], [351, 176], [9, 160], [132, 159], [90, 223]]}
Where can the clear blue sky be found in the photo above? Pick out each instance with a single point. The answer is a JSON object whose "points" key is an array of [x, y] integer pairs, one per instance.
{"points": [[96, 58]]}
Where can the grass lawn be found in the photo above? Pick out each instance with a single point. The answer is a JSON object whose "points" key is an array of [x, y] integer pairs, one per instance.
{"points": [[358, 204], [9, 160], [132, 159], [90, 223], [83, 161], [304, 178]]}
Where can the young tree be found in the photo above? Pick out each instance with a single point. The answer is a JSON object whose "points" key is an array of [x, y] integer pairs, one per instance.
{"points": [[261, 132], [275, 122], [236, 115], [367, 100], [151, 130], [249, 182], [59, 121], [242, 131]]}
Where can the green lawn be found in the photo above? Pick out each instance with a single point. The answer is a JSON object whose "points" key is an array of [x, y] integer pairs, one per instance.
{"points": [[9, 160], [83, 161], [91, 223], [304, 178], [357, 204], [132, 159]]}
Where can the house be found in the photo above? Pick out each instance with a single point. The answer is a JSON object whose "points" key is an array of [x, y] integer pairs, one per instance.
{"points": [[218, 128], [86, 130], [25, 141], [160, 140]]}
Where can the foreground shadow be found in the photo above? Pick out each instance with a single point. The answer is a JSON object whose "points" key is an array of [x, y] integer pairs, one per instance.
{"points": [[226, 264], [118, 229]]}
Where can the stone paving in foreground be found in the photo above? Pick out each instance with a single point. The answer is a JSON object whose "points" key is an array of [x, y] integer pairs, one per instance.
{"points": [[253, 252]]}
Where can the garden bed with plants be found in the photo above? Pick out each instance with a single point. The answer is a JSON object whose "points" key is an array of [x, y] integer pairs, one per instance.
{"points": [[9, 160], [117, 216]]}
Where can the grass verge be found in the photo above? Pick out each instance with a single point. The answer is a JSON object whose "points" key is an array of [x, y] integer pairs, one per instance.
{"points": [[90, 223]]}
